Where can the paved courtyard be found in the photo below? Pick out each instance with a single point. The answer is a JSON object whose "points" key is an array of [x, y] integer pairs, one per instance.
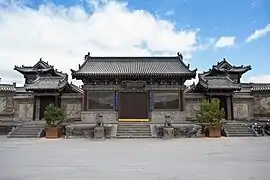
{"points": [[136, 159]]}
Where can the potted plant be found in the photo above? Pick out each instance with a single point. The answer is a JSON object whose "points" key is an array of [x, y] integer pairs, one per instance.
{"points": [[210, 115], [54, 117]]}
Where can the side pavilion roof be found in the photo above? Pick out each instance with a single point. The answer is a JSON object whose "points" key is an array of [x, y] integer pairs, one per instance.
{"points": [[47, 83], [218, 82]]}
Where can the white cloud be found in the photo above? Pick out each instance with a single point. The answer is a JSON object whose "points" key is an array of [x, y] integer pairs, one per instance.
{"points": [[258, 33], [225, 42], [169, 13], [63, 36], [260, 79]]}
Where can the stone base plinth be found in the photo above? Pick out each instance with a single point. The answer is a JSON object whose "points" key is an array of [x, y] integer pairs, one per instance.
{"points": [[168, 133], [99, 133]]}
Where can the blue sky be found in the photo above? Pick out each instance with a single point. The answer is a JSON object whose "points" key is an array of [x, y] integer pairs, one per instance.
{"points": [[231, 22]]}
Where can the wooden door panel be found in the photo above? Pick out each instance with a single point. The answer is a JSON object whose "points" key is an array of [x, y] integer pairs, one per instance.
{"points": [[44, 102], [133, 105]]}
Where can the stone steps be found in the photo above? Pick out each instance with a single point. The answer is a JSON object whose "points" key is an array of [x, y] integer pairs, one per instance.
{"points": [[133, 137], [22, 136], [238, 130], [27, 130], [133, 130]]}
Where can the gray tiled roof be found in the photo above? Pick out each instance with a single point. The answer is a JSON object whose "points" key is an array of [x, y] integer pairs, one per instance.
{"points": [[40, 67], [218, 82], [260, 87], [76, 88], [7, 87], [191, 88], [133, 66], [241, 95], [49, 83], [23, 69], [240, 69], [245, 87], [226, 66], [21, 90]]}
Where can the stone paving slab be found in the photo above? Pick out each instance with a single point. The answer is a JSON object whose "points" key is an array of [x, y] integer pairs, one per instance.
{"points": [[135, 159]]}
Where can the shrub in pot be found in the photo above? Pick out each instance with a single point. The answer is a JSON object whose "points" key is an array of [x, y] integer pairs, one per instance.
{"points": [[210, 115], [54, 117]]}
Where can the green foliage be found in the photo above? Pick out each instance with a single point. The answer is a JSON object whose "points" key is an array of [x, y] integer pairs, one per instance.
{"points": [[54, 116], [209, 112]]}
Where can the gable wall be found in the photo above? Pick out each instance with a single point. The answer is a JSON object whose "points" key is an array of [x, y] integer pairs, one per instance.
{"points": [[6, 105], [261, 104]]}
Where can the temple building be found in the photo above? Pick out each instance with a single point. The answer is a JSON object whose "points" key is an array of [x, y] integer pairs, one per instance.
{"points": [[44, 85], [137, 89], [223, 81], [134, 88]]}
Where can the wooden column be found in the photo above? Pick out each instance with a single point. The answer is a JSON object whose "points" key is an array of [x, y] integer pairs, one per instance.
{"points": [[34, 107], [84, 100], [228, 104], [232, 113], [182, 100], [56, 100]]}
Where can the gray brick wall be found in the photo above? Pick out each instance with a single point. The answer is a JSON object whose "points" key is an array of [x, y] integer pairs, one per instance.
{"points": [[23, 108], [261, 104], [72, 104], [6, 106], [90, 116], [242, 109], [176, 116]]}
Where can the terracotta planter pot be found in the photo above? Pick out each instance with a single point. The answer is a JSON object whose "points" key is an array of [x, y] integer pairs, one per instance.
{"points": [[213, 131], [53, 132]]}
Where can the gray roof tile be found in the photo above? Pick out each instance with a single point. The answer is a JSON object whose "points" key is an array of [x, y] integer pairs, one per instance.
{"points": [[21, 90], [218, 82], [226, 66], [240, 95], [49, 83], [7, 88], [40, 67], [133, 66], [260, 87], [76, 88]]}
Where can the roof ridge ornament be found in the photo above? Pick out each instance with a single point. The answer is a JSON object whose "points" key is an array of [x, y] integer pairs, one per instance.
{"points": [[87, 56], [180, 56]]}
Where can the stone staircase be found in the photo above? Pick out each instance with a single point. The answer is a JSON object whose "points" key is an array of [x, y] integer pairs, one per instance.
{"points": [[133, 130], [238, 129], [28, 130]]}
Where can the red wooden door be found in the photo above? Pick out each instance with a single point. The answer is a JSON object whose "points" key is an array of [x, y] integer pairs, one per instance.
{"points": [[133, 105]]}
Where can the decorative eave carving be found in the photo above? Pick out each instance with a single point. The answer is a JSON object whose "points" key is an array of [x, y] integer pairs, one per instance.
{"points": [[133, 85], [194, 96], [23, 97], [72, 97]]}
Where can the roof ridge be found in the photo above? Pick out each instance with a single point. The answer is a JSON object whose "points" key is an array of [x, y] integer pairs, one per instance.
{"points": [[5, 84], [51, 77], [137, 58], [214, 77]]}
